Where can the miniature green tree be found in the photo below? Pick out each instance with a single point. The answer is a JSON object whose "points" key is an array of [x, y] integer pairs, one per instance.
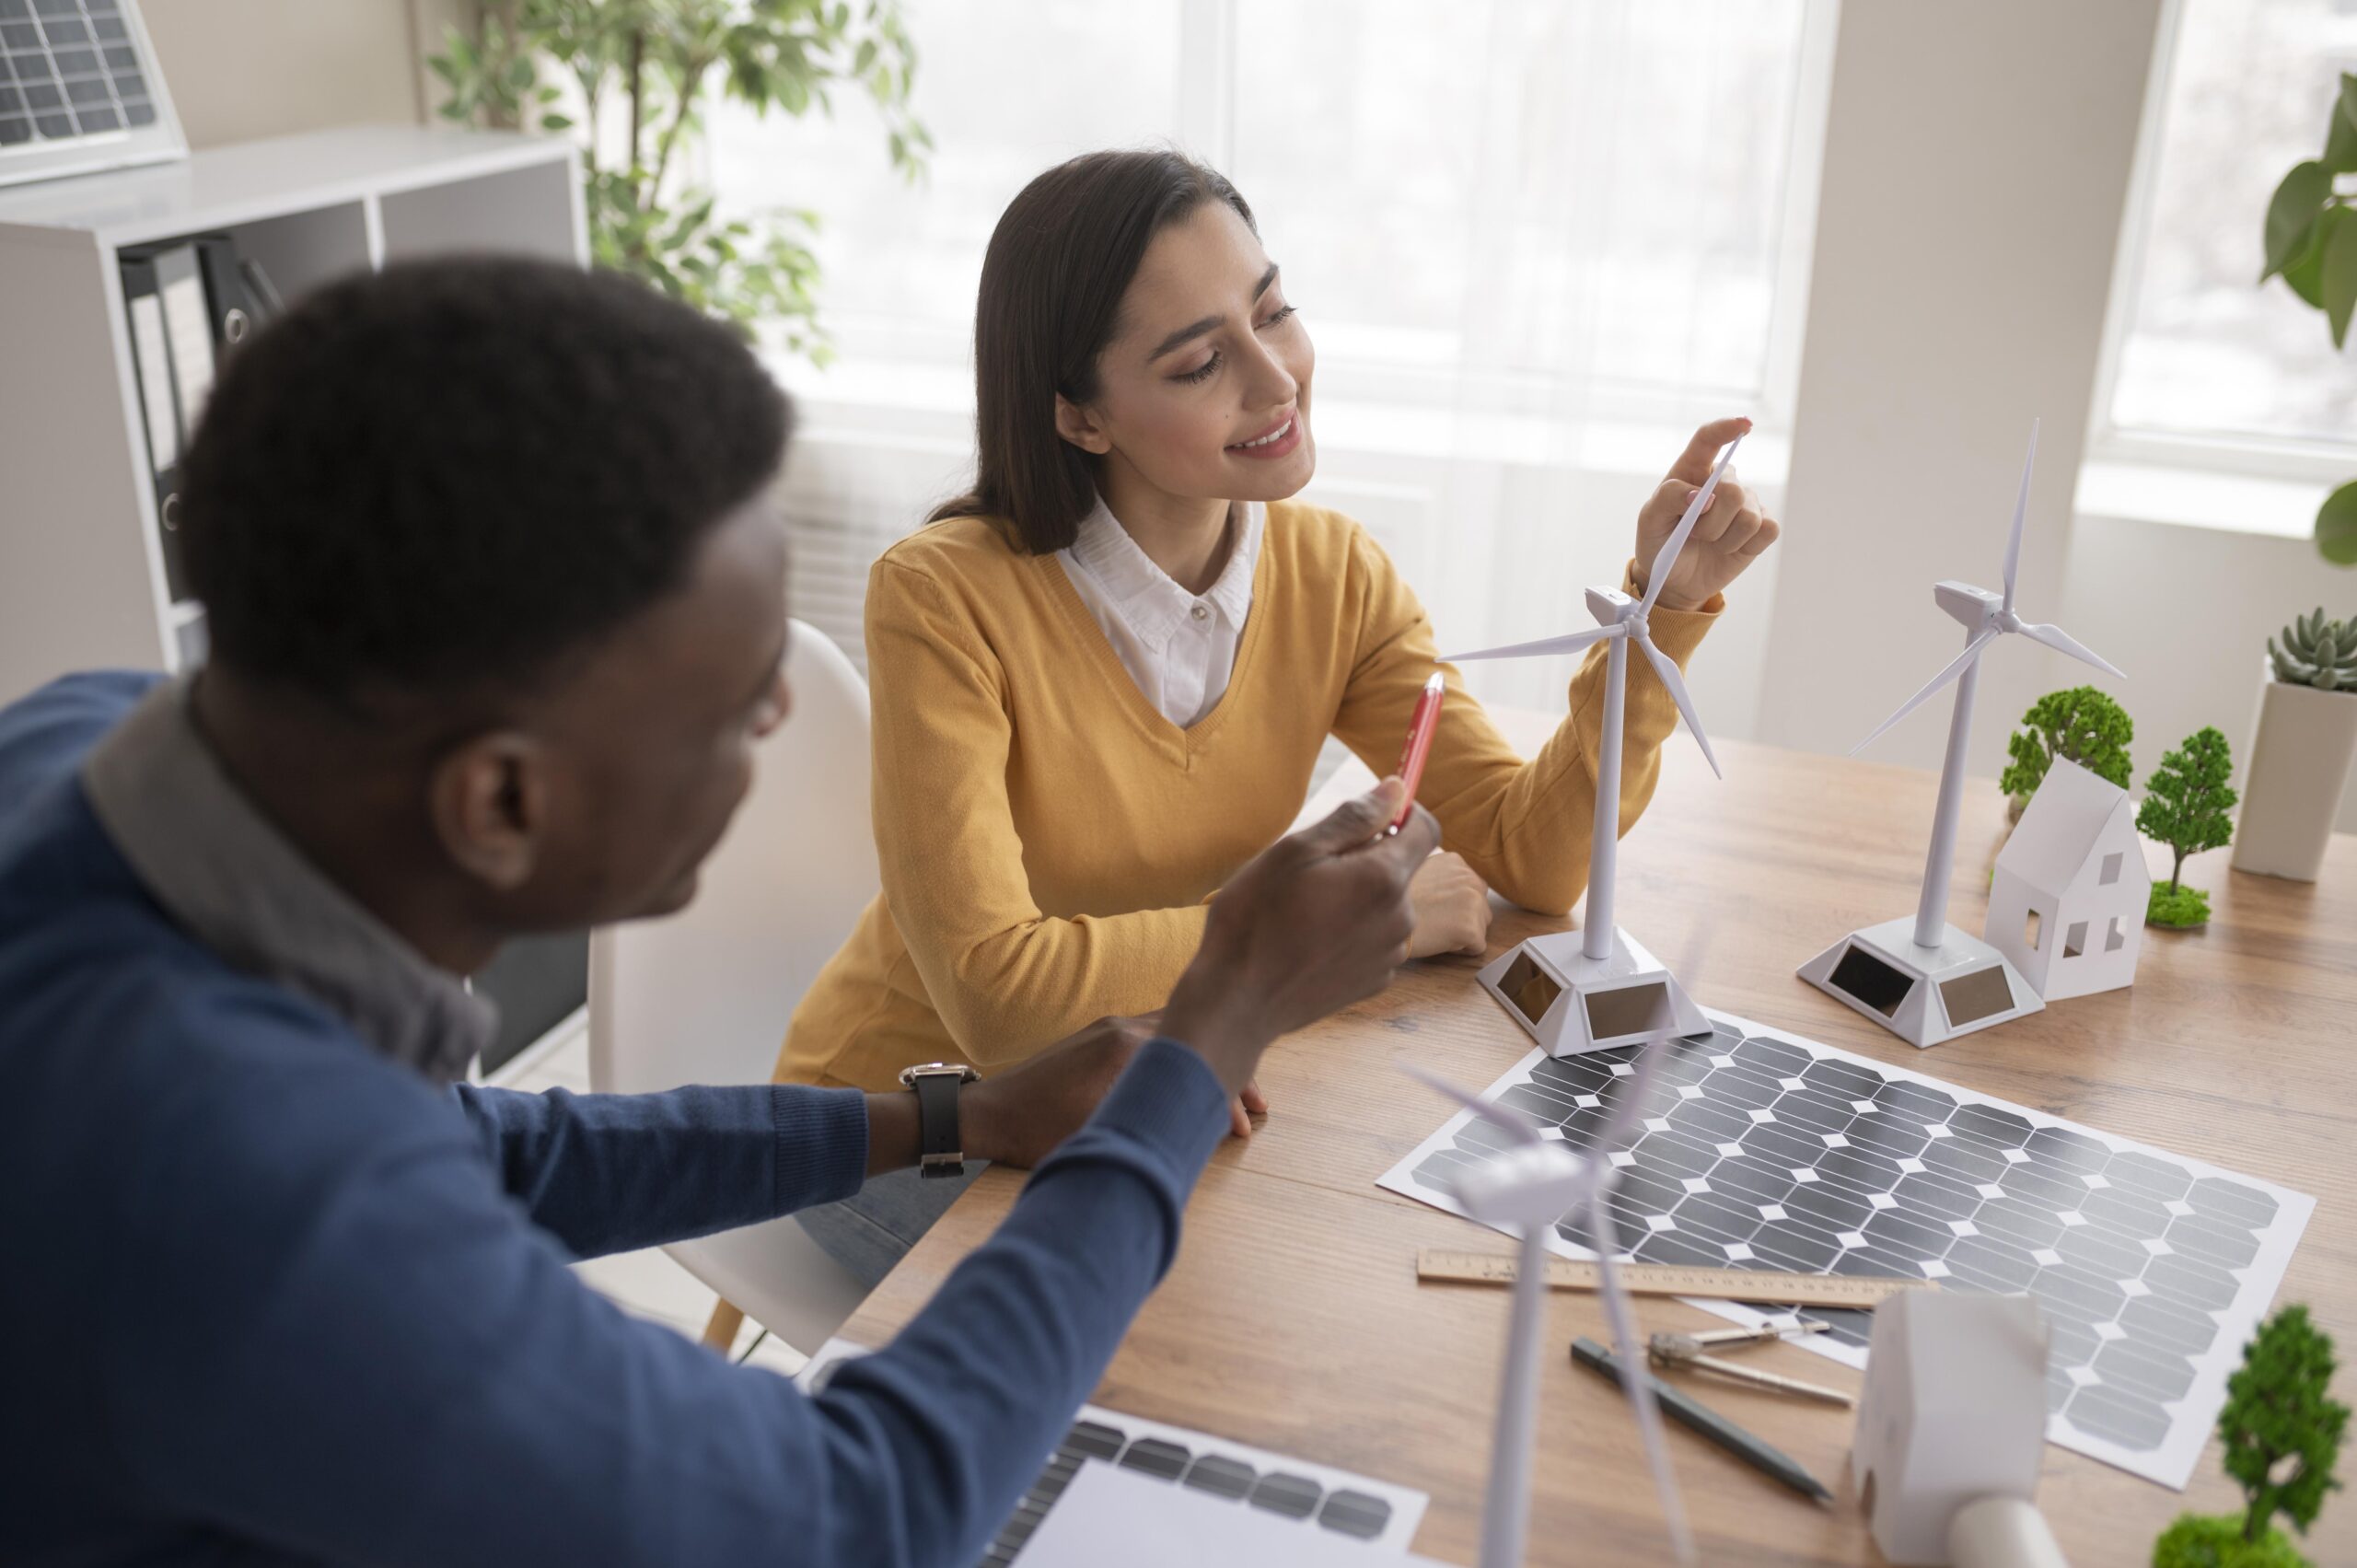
{"points": [[2281, 1431], [2185, 807], [2081, 724]]}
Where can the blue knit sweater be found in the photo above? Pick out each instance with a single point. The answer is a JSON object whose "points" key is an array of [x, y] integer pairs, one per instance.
{"points": [[270, 1298]]}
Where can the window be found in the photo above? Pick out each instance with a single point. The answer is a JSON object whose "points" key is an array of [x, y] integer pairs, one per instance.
{"points": [[1006, 90], [1516, 195], [2200, 356], [1533, 242], [2074, 939], [1501, 202], [2111, 863], [2114, 937], [2029, 930]]}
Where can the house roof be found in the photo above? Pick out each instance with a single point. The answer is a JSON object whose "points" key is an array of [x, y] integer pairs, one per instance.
{"points": [[2061, 826]]}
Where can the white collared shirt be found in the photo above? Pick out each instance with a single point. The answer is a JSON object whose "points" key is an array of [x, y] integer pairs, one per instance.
{"points": [[1179, 648]]}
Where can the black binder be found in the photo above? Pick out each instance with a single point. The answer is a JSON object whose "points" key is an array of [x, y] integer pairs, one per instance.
{"points": [[237, 310], [159, 404], [238, 298]]}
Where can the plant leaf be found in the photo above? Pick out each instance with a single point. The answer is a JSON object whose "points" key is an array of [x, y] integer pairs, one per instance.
{"points": [[2337, 526], [2339, 279], [2292, 213], [2305, 274], [2340, 135]]}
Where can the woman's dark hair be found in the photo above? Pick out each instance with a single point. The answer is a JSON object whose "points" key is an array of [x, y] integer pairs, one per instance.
{"points": [[1060, 258]]}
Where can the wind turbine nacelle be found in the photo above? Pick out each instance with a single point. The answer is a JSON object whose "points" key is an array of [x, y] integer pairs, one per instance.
{"points": [[1971, 607], [1610, 606]]}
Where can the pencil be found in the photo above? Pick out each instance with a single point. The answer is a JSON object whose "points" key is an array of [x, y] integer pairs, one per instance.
{"points": [[1700, 1418]]}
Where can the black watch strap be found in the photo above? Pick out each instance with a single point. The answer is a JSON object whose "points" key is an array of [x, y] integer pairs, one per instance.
{"points": [[941, 1149]]}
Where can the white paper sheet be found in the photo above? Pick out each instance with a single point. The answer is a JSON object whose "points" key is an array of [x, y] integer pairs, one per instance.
{"points": [[1113, 1515]]}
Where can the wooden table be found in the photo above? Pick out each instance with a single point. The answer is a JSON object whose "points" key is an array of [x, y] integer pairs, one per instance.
{"points": [[1294, 1321]]}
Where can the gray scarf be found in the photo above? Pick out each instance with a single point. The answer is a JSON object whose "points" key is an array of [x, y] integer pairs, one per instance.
{"points": [[234, 883]]}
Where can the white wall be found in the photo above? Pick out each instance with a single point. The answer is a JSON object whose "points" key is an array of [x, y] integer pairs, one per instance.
{"points": [[1976, 160], [1977, 163], [242, 69], [2191, 610]]}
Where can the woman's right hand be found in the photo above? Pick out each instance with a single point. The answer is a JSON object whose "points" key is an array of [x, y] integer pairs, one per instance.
{"points": [[1452, 908]]}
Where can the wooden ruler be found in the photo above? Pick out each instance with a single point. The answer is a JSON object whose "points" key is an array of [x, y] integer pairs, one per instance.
{"points": [[1673, 1279]]}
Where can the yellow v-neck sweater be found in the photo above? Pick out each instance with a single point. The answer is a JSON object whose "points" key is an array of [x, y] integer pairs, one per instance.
{"points": [[1047, 838]]}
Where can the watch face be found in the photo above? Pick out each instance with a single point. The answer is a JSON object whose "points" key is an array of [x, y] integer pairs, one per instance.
{"points": [[957, 1070]]}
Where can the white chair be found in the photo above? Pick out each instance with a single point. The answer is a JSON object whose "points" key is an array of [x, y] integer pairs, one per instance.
{"points": [[703, 996]]}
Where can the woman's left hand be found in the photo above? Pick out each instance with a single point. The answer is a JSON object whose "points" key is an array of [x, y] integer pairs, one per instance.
{"points": [[1727, 538]]}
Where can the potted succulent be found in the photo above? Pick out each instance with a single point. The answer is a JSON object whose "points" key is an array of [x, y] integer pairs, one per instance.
{"points": [[2302, 748], [2281, 1430]]}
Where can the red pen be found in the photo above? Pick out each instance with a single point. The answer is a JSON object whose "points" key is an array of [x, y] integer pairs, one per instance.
{"points": [[1420, 744]]}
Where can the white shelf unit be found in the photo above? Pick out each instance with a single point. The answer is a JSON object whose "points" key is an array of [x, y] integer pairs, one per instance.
{"points": [[82, 581], [81, 566]]}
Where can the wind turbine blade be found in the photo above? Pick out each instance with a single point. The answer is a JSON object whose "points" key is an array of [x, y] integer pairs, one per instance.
{"points": [[2062, 642], [1631, 1353], [1505, 1117], [1667, 670], [1569, 644], [1971, 651], [1666, 556], [2021, 509]]}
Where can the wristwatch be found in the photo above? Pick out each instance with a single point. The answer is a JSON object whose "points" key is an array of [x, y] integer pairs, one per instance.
{"points": [[943, 1151]]}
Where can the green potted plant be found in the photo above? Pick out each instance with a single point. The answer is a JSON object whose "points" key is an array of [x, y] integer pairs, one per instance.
{"points": [[2302, 749], [2185, 802], [2281, 1431], [2311, 240], [2081, 724], [630, 79]]}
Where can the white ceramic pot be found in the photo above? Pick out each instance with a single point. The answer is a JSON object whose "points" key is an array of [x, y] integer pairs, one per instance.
{"points": [[2299, 764]]}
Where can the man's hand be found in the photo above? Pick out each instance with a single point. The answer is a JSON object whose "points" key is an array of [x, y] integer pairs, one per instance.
{"points": [[1019, 1115], [1452, 906], [1727, 538], [1316, 922]]}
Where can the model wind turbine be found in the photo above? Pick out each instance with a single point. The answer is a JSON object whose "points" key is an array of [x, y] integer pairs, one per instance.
{"points": [[1924, 979], [1595, 988], [1527, 1190]]}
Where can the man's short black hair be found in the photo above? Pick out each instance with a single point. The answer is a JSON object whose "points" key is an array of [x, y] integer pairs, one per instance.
{"points": [[454, 472]]}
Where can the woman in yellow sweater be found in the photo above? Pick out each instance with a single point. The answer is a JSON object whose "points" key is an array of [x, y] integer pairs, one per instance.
{"points": [[1100, 680]]}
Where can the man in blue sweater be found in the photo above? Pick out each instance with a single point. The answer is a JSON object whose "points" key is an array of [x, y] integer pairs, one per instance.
{"points": [[496, 611]]}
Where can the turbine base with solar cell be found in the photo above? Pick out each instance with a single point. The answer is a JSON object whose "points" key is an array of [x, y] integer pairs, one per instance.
{"points": [[1923, 979], [1597, 989], [1572, 1004]]}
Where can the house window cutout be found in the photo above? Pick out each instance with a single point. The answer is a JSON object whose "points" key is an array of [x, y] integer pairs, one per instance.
{"points": [[2029, 930], [2114, 938], [2074, 940], [2111, 867]]}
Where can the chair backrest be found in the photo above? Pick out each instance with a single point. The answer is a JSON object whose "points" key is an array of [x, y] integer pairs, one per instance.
{"points": [[703, 996]]}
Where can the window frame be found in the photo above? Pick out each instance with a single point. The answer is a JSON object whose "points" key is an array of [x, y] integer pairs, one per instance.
{"points": [[2288, 461]]}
